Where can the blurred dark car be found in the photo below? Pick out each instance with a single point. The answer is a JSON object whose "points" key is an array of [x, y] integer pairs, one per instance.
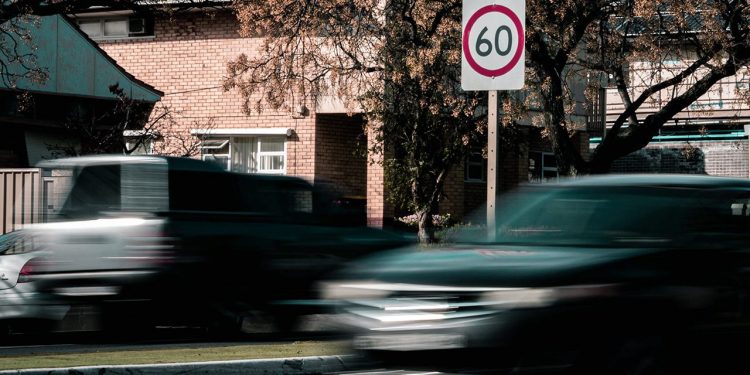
{"points": [[606, 275], [163, 240]]}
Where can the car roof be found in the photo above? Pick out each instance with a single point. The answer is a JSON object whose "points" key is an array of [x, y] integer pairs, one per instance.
{"points": [[174, 163], [656, 180]]}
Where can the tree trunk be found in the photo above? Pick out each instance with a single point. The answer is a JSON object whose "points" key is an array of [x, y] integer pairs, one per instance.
{"points": [[426, 232]]}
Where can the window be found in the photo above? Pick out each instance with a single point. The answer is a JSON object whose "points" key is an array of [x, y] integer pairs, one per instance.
{"points": [[216, 151], [542, 167], [145, 147], [115, 27], [270, 155], [139, 142], [475, 169], [247, 154]]}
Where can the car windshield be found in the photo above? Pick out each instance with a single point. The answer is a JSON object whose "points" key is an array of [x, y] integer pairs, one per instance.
{"points": [[90, 191], [621, 216]]}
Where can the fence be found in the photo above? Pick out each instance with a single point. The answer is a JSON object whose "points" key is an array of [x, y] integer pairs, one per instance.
{"points": [[21, 194]]}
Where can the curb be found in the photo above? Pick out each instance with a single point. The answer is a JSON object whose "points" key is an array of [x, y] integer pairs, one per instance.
{"points": [[295, 365]]}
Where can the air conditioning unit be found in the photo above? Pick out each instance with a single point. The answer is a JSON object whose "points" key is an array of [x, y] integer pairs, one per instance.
{"points": [[137, 26]]}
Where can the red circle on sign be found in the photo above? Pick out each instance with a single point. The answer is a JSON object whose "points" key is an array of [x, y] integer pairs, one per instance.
{"points": [[516, 56]]}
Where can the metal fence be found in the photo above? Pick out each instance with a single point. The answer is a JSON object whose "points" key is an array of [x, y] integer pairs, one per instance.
{"points": [[21, 195]]}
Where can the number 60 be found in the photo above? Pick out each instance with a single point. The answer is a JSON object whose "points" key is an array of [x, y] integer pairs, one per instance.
{"points": [[481, 42]]}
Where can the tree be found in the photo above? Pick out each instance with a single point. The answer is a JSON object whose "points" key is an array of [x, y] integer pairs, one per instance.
{"points": [[709, 39], [126, 127], [176, 142], [398, 61], [123, 127]]}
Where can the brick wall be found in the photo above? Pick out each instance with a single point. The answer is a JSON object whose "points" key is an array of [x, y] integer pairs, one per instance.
{"points": [[339, 152], [379, 210], [452, 201], [186, 59], [717, 158]]}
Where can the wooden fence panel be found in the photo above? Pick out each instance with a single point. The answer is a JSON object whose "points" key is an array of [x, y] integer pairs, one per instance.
{"points": [[20, 198]]}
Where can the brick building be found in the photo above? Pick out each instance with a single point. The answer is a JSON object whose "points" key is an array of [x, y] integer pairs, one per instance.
{"points": [[186, 57], [710, 136]]}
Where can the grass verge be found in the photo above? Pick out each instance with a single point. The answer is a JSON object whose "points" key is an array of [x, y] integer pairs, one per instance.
{"points": [[144, 356]]}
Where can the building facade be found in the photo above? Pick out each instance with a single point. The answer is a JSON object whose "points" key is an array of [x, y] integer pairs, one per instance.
{"points": [[710, 136], [186, 58]]}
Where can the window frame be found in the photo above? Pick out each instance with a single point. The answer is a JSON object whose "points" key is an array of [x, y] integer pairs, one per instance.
{"points": [[541, 179], [103, 20], [145, 148], [260, 153], [229, 141], [482, 164]]}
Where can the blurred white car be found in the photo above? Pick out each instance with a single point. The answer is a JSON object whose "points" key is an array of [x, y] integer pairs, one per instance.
{"points": [[20, 306]]}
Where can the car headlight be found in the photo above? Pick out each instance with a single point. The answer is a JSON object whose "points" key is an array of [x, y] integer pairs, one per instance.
{"points": [[352, 290], [375, 289], [507, 298]]}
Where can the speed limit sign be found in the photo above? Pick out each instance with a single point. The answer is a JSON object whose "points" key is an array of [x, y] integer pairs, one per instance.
{"points": [[493, 45]]}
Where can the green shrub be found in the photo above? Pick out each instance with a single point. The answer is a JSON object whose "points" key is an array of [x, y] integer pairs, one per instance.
{"points": [[438, 221]]}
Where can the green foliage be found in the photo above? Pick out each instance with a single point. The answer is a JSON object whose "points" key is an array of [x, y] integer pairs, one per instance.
{"points": [[461, 231], [397, 60], [438, 221]]}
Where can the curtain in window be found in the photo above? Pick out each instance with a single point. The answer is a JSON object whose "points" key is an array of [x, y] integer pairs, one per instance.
{"points": [[243, 154]]}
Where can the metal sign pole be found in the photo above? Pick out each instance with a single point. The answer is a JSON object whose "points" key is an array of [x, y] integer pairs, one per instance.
{"points": [[491, 163], [492, 64]]}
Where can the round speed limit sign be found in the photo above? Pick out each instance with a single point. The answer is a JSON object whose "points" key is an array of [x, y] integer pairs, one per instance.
{"points": [[493, 45]]}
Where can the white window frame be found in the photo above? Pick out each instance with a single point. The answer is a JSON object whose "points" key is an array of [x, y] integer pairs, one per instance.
{"points": [[146, 137], [207, 157], [257, 139], [102, 20], [260, 154], [147, 145], [545, 168]]}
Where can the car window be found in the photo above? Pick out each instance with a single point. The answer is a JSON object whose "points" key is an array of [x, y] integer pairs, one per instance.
{"points": [[604, 216], [96, 190], [721, 212], [592, 216], [15, 243]]}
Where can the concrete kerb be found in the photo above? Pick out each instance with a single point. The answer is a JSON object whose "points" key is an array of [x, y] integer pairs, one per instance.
{"points": [[295, 365]]}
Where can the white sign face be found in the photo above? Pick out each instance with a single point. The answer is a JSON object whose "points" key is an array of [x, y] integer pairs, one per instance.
{"points": [[493, 53]]}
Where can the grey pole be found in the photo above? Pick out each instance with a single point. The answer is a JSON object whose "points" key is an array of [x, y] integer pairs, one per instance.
{"points": [[491, 163]]}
